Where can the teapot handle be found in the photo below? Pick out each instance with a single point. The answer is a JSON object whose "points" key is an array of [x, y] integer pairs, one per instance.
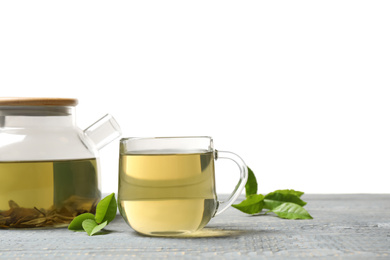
{"points": [[241, 183]]}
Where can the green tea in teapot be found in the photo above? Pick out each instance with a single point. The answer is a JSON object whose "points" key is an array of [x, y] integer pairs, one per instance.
{"points": [[46, 193]]}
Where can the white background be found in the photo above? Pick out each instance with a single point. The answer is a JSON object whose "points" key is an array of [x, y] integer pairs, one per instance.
{"points": [[299, 89]]}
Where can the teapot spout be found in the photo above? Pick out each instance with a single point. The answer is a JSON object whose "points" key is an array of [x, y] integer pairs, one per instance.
{"points": [[103, 131]]}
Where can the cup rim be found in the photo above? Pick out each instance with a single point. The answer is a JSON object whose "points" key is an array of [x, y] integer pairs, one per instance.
{"points": [[165, 137]]}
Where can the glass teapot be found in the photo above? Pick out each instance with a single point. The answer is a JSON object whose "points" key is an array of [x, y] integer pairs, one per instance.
{"points": [[49, 168]]}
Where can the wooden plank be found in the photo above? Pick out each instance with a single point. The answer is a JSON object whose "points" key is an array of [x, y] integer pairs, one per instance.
{"points": [[344, 226]]}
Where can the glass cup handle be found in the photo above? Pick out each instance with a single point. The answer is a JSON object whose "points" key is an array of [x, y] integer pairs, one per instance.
{"points": [[223, 205]]}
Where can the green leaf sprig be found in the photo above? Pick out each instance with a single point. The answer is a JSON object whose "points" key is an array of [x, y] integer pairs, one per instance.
{"points": [[92, 224], [284, 203]]}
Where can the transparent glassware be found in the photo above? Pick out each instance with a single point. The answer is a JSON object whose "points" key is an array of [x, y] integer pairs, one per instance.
{"points": [[49, 168], [167, 184]]}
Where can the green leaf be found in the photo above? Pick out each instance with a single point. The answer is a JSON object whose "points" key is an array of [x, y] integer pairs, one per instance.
{"points": [[293, 192], [106, 209], [251, 205], [290, 210], [76, 224], [274, 199], [91, 227], [251, 183]]}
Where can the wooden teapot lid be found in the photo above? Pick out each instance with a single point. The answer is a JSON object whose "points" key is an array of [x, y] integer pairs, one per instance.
{"points": [[37, 101]]}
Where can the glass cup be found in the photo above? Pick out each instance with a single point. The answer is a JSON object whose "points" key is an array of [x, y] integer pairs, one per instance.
{"points": [[167, 184]]}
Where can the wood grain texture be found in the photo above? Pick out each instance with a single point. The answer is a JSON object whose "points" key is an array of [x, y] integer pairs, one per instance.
{"points": [[344, 227], [37, 101]]}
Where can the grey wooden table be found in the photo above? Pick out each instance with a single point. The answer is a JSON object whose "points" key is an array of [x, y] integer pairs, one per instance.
{"points": [[344, 227]]}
